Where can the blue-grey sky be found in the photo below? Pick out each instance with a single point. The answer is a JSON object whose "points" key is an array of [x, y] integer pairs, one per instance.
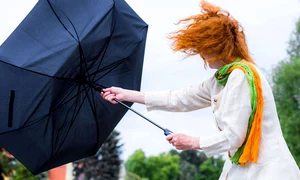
{"points": [[268, 25]]}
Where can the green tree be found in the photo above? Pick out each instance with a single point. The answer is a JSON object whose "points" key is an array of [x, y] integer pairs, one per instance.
{"points": [[174, 152], [286, 89], [188, 171], [12, 168], [136, 163], [211, 169], [132, 176], [21, 173], [6, 166], [194, 157], [161, 167], [294, 43], [105, 165], [190, 160]]}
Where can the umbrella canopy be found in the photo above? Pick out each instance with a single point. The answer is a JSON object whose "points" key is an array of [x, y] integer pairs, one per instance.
{"points": [[50, 69]]}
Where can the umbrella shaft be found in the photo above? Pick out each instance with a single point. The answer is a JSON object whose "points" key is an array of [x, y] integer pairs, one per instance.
{"points": [[99, 89], [138, 114]]}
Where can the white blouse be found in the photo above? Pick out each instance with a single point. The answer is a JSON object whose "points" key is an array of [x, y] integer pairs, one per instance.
{"points": [[232, 109]]}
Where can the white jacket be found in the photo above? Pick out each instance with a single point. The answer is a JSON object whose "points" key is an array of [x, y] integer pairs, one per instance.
{"points": [[232, 109]]}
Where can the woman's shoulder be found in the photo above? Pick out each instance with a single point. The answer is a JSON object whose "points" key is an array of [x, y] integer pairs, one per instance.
{"points": [[213, 86]]}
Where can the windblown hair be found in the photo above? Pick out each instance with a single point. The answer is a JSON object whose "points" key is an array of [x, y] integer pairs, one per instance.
{"points": [[212, 31]]}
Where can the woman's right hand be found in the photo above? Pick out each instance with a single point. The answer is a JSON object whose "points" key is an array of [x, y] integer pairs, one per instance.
{"points": [[112, 93], [121, 94]]}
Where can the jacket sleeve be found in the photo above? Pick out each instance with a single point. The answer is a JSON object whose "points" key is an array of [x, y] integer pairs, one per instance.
{"points": [[183, 100], [235, 110]]}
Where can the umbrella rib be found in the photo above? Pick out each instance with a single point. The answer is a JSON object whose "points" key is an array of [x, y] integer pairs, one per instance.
{"points": [[42, 74], [72, 122], [80, 47], [68, 94], [68, 100], [93, 108], [109, 71], [63, 125], [106, 46], [72, 119], [92, 104], [113, 65], [120, 62], [82, 57], [59, 19], [38, 119]]}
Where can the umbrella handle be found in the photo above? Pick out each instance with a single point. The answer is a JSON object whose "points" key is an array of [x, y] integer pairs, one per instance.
{"points": [[167, 132]]}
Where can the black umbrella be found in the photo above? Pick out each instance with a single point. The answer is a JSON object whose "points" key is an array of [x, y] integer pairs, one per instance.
{"points": [[51, 68]]}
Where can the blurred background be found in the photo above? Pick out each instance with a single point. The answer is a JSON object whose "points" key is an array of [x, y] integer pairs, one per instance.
{"points": [[137, 149]]}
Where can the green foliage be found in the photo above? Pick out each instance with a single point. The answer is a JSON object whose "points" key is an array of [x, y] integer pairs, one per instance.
{"points": [[161, 167], [105, 165], [137, 163], [174, 152], [188, 171], [194, 157], [190, 160], [6, 165], [286, 88], [186, 165], [211, 169], [132, 176], [287, 95], [22, 173], [294, 43], [12, 168]]}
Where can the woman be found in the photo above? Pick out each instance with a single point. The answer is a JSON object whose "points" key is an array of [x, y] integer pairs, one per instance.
{"points": [[243, 102]]}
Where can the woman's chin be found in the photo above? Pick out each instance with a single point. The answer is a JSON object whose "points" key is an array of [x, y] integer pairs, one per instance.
{"points": [[211, 66]]}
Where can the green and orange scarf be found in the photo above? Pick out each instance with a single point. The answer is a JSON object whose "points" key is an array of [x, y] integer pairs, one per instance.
{"points": [[248, 152]]}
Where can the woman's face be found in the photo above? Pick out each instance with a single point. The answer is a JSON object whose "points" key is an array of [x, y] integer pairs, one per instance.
{"points": [[212, 64]]}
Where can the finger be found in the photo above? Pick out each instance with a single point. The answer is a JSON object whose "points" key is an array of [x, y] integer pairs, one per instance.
{"points": [[173, 141], [169, 137], [110, 97], [104, 95], [106, 89], [107, 93]]}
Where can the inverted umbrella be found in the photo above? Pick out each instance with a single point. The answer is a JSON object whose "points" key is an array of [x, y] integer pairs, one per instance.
{"points": [[51, 67]]}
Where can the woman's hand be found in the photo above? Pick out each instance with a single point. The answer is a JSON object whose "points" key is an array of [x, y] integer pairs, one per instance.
{"points": [[183, 142], [112, 93]]}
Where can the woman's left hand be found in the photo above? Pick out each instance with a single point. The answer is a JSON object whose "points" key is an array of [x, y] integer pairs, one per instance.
{"points": [[183, 142]]}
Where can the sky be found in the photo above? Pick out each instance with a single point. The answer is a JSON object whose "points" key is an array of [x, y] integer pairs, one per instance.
{"points": [[268, 25]]}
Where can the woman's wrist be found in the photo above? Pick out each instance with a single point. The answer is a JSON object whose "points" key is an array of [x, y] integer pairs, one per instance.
{"points": [[134, 96], [195, 143]]}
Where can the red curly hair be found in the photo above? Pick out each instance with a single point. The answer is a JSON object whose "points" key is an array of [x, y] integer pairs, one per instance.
{"points": [[212, 31]]}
